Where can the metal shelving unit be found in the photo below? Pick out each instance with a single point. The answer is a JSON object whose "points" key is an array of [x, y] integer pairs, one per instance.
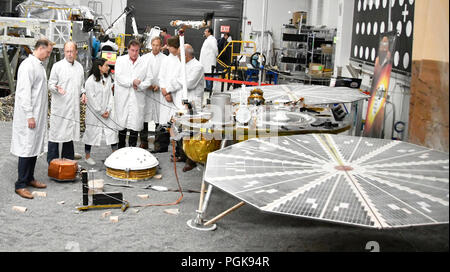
{"points": [[299, 48], [293, 55]]}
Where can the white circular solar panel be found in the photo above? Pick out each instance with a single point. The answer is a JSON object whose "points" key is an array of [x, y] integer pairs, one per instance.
{"points": [[360, 181], [312, 94], [131, 158], [284, 118]]}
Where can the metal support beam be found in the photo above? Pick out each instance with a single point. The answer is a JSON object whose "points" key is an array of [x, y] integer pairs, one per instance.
{"points": [[357, 109], [11, 83]]}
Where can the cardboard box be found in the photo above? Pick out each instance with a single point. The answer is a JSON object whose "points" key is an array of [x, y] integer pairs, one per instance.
{"points": [[296, 16], [327, 49], [315, 69]]}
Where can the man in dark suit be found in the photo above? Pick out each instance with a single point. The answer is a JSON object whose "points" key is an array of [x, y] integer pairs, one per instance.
{"points": [[221, 43]]}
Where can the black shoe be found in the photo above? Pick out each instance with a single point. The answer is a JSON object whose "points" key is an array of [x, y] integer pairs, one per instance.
{"points": [[189, 167]]}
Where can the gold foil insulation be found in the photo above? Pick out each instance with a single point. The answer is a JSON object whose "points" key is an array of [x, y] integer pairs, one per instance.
{"points": [[132, 174], [197, 148]]}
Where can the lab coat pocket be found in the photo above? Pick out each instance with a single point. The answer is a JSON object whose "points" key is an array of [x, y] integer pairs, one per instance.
{"points": [[30, 138]]}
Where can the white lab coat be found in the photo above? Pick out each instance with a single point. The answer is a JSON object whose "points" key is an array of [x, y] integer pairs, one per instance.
{"points": [[99, 100], [130, 103], [151, 97], [195, 83], [65, 109], [168, 71], [208, 53], [31, 100]]}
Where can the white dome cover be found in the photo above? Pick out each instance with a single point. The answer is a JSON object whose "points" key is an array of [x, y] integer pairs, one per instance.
{"points": [[132, 158]]}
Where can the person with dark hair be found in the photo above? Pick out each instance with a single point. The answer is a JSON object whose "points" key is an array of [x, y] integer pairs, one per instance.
{"points": [[132, 78], [99, 110], [29, 124], [165, 36], [221, 43], [66, 86], [174, 42], [208, 54]]}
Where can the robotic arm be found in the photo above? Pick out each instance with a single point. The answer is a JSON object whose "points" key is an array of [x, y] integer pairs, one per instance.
{"points": [[206, 22]]}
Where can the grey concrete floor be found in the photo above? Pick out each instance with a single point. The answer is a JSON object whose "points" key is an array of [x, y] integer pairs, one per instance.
{"points": [[50, 226]]}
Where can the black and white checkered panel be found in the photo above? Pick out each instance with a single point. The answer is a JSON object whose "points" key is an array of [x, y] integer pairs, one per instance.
{"points": [[371, 18], [402, 20]]}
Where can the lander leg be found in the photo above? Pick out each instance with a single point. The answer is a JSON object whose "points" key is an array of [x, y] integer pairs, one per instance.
{"points": [[198, 222]]}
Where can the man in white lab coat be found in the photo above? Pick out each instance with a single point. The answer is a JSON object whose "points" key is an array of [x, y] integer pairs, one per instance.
{"points": [[195, 84], [152, 94], [66, 83], [208, 54], [169, 70], [30, 116], [165, 36], [132, 78]]}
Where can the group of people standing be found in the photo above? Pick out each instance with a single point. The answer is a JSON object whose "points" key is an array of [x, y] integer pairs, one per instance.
{"points": [[143, 89]]}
